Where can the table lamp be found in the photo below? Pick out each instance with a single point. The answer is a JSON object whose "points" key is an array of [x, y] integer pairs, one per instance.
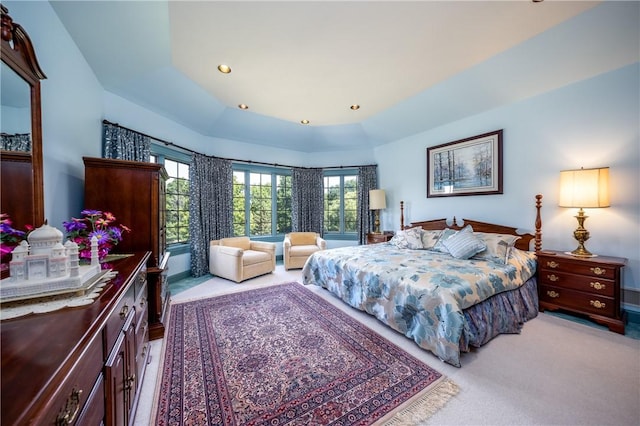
{"points": [[584, 188], [377, 202]]}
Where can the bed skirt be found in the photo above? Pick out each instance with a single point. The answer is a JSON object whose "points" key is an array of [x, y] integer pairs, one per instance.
{"points": [[504, 313]]}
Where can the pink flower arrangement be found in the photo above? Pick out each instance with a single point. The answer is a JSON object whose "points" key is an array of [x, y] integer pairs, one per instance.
{"points": [[10, 237], [102, 225]]}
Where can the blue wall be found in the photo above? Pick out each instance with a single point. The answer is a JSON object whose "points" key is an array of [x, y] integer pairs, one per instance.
{"points": [[590, 123]]}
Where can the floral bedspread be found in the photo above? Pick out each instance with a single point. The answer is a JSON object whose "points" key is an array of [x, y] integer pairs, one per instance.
{"points": [[420, 293]]}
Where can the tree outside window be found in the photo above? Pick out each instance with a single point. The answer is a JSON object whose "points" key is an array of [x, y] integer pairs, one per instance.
{"points": [[261, 203], [340, 204]]}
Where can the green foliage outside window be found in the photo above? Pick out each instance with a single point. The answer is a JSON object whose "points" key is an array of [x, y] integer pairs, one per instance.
{"points": [[258, 210], [340, 204], [177, 202]]}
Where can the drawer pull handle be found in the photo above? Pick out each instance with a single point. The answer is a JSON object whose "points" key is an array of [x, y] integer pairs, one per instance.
{"points": [[124, 311], [71, 408], [597, 304], [598, 286], [129, 381], [553, 278], [143, 301], [553, 294], [598, 271], [552, 264]]}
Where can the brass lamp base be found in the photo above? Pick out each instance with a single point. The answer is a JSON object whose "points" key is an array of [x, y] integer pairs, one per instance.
{"points": [[581, 235], [376, 227]]}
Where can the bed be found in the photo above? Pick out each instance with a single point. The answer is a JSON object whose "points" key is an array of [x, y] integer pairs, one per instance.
{"points": [[436, 294]]}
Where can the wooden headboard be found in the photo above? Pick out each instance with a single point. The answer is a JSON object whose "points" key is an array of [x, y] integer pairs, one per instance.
{"points": [[524, 243]]}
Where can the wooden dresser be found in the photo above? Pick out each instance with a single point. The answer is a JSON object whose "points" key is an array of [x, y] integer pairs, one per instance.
{"points": [[135, 193], [81, 365], [588, 286]]}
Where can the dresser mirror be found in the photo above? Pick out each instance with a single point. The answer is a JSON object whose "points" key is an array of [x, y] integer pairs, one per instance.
{"points": [[21, 180]]}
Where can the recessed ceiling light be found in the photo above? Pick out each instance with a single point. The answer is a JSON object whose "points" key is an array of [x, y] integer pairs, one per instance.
{"points": [[355, 107], [243, 106], [305, 121], [225, 69]]}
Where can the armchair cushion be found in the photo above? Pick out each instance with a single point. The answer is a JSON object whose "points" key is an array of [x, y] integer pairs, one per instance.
{"points": [[298, 246], [303, 238]]}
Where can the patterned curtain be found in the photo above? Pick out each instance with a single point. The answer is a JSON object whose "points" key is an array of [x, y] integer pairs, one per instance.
{"points": [[307, 200], [367, 180], [16, 142], [125, 144], [210, 207]]}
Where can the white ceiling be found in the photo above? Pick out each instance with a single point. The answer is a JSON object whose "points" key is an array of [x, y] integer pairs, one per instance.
{"points": [[410, 65]]}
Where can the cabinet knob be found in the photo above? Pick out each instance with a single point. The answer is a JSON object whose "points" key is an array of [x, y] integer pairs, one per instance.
{"points": [[553, 277], [598, 271], [598, 286], [68, 414], [552, 264], [553, 294], [597, 304], [124, 311]]}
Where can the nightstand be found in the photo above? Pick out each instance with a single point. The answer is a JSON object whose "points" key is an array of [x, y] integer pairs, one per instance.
{"points": [[373, 238], [584, 285]]}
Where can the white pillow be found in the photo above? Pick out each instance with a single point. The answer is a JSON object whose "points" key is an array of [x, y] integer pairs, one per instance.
{"points": [[444, 235], [498, 246], [464, 244], [430, 238], [409, 238]]}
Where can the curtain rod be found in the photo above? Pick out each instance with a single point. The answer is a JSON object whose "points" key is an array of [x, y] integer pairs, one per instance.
{"points": [[229, 159]]}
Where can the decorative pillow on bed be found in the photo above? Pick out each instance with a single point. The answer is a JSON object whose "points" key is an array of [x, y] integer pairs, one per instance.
{"points": [[463, 244], [498, 246], [444, 235], [430, 238], [409, 238]]}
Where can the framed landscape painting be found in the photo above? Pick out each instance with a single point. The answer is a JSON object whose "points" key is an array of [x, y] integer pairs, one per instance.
{"points": [[471, 166]]}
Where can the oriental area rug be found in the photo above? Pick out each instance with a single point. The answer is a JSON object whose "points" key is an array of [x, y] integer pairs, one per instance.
{"points": [[283, 355]]}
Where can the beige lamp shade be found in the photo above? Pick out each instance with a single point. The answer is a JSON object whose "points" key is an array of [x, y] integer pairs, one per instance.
{"points": [[584, 188], [377, 199]]}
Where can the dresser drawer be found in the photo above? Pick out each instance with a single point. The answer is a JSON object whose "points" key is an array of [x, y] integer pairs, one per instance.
{"points": [[142, 306], [93, 411], [583, 283], [140, 284], [77, 387], [116, 320], [583, 302], [578, 267]]}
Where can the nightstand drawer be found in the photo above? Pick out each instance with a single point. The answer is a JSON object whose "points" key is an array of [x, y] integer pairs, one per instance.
{"points": [[583, 302], [579, 267], [582, 283]]}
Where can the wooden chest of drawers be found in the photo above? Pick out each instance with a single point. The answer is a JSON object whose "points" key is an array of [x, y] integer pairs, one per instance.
{"points": [[588, 286], [373, 238], [81, 365]]}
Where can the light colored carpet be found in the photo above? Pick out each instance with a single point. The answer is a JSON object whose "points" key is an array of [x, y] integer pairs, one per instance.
{"points": [[556, 372]]}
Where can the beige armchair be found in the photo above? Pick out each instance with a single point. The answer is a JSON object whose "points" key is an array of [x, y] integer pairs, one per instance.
{"points": [[298, 246], [238, 258]]}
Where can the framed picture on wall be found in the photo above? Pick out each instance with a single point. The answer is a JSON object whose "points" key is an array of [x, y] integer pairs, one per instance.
{"points": [[471, 166]]}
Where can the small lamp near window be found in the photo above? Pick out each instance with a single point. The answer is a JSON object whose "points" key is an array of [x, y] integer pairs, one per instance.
{"points": [[584, 188], [377, 202]]}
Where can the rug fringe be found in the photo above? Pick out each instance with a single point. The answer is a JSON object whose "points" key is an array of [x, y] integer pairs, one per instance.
{"points": [[424, 406]]}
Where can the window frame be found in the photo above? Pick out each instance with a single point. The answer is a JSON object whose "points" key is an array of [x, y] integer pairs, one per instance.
{"points": [[342, 173], [274, 172], [162, 152]]}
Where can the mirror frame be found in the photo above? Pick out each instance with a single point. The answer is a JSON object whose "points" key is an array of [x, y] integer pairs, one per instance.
{"points": [[20, 169], [18, 53]]}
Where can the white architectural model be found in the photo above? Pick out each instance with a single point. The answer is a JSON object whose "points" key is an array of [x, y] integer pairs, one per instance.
{"points": [[43, 266]]}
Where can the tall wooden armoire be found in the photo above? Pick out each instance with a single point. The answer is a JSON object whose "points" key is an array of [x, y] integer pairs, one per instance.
{"points": [[135, 193]]}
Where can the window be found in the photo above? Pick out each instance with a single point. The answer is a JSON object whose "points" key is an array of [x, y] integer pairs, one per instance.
{"points": [[176, 194], [261, 201], [340, 202]]}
